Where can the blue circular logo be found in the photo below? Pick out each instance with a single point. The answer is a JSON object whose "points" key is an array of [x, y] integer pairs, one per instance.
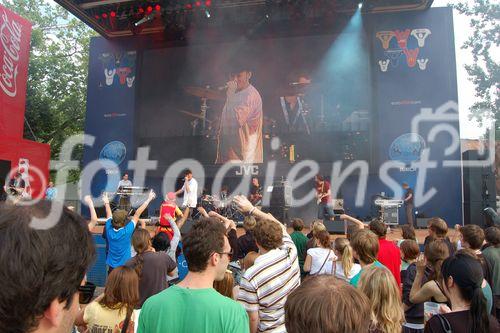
{"points": [[407, 148], [114, 151]]}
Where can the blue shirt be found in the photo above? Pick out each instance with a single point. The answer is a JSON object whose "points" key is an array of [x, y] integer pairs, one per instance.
{"points": [[355, 279], [51, 193], [119, 242]]}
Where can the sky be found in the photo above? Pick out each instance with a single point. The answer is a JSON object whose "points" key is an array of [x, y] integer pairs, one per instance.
{"points": [[469, 129]]}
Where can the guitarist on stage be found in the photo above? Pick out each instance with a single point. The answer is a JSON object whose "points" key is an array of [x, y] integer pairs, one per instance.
{"points": [[324, 199]]}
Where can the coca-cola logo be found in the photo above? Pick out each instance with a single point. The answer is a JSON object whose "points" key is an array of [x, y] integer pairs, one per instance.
{"points": [[10, 38]]}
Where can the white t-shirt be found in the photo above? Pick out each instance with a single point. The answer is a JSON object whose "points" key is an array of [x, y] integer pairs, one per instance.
{"points": [[190, 197], [339, 271], [318, 255]]}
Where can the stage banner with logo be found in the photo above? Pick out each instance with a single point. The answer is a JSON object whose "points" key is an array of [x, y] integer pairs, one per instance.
{"points": [[15, 34], [414, 77], [110, 110]]}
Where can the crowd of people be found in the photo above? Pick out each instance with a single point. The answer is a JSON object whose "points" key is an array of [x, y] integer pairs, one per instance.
{"points": [[266, 280]]}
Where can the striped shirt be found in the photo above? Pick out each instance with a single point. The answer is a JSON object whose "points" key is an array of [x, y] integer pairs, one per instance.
{"points": [[266, 285]]}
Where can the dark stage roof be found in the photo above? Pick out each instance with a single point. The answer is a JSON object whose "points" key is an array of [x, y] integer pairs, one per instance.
{"points": [[119, 18]]}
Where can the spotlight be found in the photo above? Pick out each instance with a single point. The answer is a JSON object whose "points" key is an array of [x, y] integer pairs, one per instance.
{"points": [[208, 3], [360, 5], [112, 14], [207, 13], [157, 8]]}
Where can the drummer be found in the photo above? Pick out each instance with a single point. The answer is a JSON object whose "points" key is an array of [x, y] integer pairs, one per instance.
{"points": [[205, 204], [168, 209]]}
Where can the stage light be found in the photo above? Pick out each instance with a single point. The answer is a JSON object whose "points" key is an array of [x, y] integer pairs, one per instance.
{"points": [[140, 10], [97, 17], [207, 13], [189, 6], [198, 3], [360, 5], [157, 8], [112, 14], [208, 3], [104, 15], [149, 9]]}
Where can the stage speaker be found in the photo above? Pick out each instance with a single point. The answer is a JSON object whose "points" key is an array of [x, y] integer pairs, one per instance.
{"points": [[281, 194], [4, 171], [479, 189], [336, 226], [422, 222], [279, 212]]}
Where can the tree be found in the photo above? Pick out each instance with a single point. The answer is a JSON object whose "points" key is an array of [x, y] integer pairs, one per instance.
{"points": [[57, 74], [485, 71]]}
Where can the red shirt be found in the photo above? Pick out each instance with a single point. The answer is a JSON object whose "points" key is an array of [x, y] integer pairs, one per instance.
{"points": [[390, 257], [167, 209], [323, 189]]}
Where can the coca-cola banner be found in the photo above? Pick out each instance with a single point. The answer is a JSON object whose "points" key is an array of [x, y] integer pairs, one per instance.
{"points": [[15, 33]]}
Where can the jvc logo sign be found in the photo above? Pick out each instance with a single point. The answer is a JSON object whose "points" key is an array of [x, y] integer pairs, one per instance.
{"points": [[252, 170]]}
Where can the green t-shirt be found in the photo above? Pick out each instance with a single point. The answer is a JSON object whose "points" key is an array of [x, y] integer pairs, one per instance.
{"points": [[300, 241], [179, 310], [355, 279]]}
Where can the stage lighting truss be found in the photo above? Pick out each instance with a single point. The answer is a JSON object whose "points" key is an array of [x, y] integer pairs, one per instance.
{"points": [[116, 18]]}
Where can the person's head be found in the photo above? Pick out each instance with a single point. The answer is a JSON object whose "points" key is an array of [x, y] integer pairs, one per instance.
{"points": [[379, 285], [51, 184], [119, 218], [408, 232], [141, 240], [224, 189], [462, 277], [365, 246], [242, 77], [125, 176], [438, 228], [343, 250], [170, 197], [379, 228], [226, 285], [436, 252], [268, 234], [18, 175], [309, 308], [405, 186], [319, 179], [317, 226], [249, 223], [121, 290], [323, 238], [188, 174], [472, 236], [207, 248], [255, 181], [297, 224], [492, 236], [161, 242], [249, 260], [41, 269], [409, 250]]}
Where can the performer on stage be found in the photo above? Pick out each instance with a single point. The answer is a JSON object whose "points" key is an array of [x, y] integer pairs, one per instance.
{"points": [[324, 200], [255, 192], [408, 203], [124, 199], [168, 210], [125, 182], [190, 190], [240, 131], [17, 185]]}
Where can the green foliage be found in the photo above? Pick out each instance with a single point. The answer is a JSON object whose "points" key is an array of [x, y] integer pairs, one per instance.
{"points": [[57, 76], [485, 71]]}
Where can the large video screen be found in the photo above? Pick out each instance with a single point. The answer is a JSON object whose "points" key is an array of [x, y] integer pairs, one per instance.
{"points": [[253, 101]]}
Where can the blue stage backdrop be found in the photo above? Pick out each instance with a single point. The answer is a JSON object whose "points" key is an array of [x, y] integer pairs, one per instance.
{"points": [[403, 62]]}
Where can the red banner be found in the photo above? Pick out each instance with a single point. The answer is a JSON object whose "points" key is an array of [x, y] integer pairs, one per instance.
{"points": [[15, 34]]}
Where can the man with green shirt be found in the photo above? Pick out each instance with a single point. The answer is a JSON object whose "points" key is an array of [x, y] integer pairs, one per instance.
{"points": [[300, 241], [193, 305]]}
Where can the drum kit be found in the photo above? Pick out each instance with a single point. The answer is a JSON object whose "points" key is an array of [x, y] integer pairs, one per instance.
{"points": [[224, 206]]}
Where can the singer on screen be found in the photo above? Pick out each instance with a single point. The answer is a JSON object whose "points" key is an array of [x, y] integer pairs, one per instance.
{"points": [[240, 132]]}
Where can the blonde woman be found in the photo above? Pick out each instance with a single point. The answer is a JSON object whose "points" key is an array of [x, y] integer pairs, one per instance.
{"points": [[379, 285], [345, 260]]}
